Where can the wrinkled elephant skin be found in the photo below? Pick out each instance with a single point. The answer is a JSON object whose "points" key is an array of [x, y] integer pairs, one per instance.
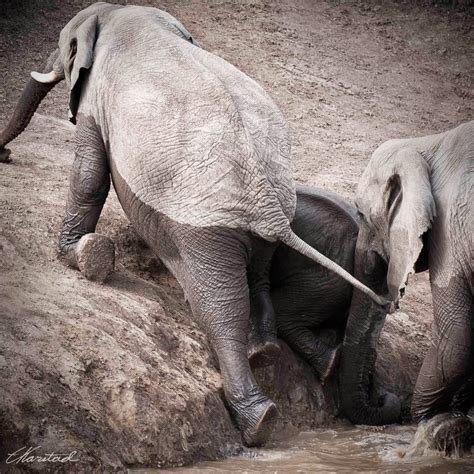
{"points": [[415, 203], [311, 306]]}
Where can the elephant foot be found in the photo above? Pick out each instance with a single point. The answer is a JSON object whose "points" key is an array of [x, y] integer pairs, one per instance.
{"points": [[390, 408], [256, 418], [95, 256], [263, 354], [329, 363], [5, 155], [325, 357], [449, 432]]}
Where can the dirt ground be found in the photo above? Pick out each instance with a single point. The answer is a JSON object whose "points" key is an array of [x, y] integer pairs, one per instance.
{"points": [[131, 380]]}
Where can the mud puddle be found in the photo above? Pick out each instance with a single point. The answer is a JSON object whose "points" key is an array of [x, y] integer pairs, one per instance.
{"points": [[342, 449]]}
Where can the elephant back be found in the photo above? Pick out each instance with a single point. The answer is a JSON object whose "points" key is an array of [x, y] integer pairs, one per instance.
{"points": [[193, 137]]}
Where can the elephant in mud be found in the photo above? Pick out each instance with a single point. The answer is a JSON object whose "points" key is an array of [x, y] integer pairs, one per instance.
{"points": [[415, 206], [308, 307], [301, 299], [199, 156]]}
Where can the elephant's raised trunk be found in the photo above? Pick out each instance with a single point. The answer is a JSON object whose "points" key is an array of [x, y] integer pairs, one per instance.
{"points": [[363, 329], [33, 93]]}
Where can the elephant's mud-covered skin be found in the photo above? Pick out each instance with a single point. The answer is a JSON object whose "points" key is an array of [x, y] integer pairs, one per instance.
{"points": [[311, 305], [415, 199], [199, 156]]}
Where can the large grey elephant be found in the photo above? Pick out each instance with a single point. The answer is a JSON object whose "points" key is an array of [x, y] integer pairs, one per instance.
{"points": [[415, 205], [199, 156]]}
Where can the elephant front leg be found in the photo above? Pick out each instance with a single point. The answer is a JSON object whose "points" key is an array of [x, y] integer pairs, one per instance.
{"points": [[320, 351], [438, 400], [93, 254]]}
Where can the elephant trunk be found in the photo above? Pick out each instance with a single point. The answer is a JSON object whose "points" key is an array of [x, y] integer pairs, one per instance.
{"points": [[33, 93], [366, 320]]}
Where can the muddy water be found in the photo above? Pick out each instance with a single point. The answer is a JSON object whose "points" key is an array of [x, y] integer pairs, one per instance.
{"points": [[342, 449]]}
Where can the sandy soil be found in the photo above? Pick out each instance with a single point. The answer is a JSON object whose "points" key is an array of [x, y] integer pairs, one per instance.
{"points": [[120, 371]]}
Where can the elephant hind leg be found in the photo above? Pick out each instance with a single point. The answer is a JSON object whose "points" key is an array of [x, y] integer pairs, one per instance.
{"points": [[263, 347], [214, 277]]}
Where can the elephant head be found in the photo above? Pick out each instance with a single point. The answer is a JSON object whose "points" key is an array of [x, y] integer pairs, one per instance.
{"points": [[73, 55], [395, 207], [70, 61], [33, 93]]}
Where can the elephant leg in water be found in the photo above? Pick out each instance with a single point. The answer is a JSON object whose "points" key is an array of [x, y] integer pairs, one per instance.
{"points": [[443, 382], [92, 253]]}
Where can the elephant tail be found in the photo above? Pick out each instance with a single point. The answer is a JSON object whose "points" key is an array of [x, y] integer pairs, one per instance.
{"points": [[293, 241]]}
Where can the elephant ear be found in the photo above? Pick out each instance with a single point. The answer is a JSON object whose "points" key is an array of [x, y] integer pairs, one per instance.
{"points": [[410, 209], [176, 26], [78, 56], [182, 31]]}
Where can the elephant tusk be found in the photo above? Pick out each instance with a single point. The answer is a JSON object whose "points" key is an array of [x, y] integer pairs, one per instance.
{"points": [[392, 307], [49, 78]]}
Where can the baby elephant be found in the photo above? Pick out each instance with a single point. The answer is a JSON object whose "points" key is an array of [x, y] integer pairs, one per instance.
{"points": [[301, 297], [309, 306]]}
